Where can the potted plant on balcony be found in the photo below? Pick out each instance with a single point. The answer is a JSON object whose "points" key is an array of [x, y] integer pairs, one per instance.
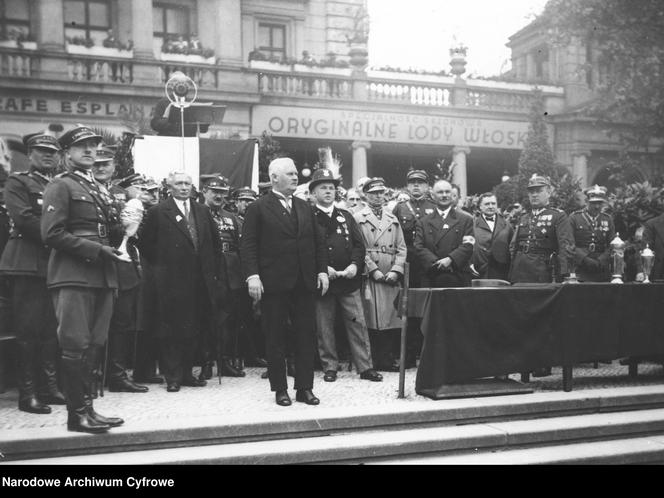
{"points": [[111, 47], [258, 60], [18, 39], [187, 51]]}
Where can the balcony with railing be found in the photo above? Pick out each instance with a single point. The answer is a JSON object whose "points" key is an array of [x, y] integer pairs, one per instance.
{"points": [[309, 84]]}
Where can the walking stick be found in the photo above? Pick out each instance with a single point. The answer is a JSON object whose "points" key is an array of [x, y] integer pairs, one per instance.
{"points": [[404, 327]]}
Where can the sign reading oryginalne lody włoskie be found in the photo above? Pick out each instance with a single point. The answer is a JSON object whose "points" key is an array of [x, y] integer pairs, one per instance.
{"points": [[333, 124]]}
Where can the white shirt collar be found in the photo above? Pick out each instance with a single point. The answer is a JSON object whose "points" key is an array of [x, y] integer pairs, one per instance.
{"points": [[444, 214], [181, 204], [327, 210]]}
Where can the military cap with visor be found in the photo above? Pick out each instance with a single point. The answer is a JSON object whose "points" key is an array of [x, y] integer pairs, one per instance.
{"points": [[105, 153], [417, 174], [374, 185], [538, 181], [245, 193], [42, 141], [78, 134], [596, 193], [217, 184]]}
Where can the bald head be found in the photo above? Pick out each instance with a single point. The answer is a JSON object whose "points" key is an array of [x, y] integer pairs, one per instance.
{"points": [[283, 175], [442, 194]]}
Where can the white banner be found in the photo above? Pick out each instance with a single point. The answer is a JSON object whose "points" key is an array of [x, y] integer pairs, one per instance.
{"points": [[157, 156], [334, 124]]}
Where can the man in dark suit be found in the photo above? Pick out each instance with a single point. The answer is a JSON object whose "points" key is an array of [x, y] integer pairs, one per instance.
{"points": [[24, 263], [444, 241], [77, 220], [345, 260], [491, 255], [285, 260], [179, 242]]}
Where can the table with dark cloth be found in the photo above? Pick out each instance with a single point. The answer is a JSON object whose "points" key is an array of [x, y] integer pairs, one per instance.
{"points": [[470, 333]]}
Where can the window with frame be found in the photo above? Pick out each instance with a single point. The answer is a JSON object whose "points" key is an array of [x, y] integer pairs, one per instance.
{"points": [[170, 21], [14, 19], [541, 58], [87, 20], [272, 40]]}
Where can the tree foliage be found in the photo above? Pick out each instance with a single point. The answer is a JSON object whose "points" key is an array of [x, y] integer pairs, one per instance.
{"points": [[268, 149], [537, 158], [628, 37]]}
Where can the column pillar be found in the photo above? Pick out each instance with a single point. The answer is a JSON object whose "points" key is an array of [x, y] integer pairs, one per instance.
{"points": [[51, 25], [580, 166], [141, 29], [228, 45], [460, 174], [360, 160]]}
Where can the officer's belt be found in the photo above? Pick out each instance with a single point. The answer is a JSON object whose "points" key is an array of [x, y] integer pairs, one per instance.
{"points": [[529, 249], [596, 248], [102, 231], [228, 247], [383, 250]]}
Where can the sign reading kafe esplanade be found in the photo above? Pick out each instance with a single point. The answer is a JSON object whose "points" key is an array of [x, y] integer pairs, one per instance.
{"points": [[332, 124]]}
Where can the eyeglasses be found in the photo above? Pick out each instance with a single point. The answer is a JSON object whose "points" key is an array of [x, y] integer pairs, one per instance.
{"points": [[353, 199]]}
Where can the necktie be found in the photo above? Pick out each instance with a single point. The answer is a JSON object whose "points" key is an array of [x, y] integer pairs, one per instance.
{"points": [[288, 204], [191, 224], [489, 218]]}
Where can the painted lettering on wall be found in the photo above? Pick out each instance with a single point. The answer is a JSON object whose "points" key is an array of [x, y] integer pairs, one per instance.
{"points": [[28, 105], [389, 127]]}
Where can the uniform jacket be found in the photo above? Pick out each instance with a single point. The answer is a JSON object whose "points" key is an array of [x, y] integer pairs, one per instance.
{"points": [[279, 247], [592, 251], [25, 253], [653, 235], [541, 246], [76, 221], [228, 230], [437, 238], [344, 243], [384, 241], [128, 273], [408, 213], [165, 242], [491, 255]]}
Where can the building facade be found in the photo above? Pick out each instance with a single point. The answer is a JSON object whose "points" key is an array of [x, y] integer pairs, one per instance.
{"points": [[294, 68]]}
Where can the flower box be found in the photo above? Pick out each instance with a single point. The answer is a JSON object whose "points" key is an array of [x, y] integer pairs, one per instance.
{"points": [[26, 45], [187, 58], [100, 51], [268, 66], [336, 71], [399, 76]]}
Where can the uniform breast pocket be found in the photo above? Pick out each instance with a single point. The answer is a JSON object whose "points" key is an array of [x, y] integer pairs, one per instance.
{"points": [[83, 206]]}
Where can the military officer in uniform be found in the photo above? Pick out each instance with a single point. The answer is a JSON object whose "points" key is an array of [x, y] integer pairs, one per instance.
{"points": [[24, 263], [81, 274], [123, 321], [252, 341], [408, 212], [543, 239], [542, 243], [593, 232], [231, 281]]}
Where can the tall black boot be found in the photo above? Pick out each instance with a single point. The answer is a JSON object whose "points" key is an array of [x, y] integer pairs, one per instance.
{"points": [[91, 359], [118, 380], [50, 393], [78, 419], [27, 400]]}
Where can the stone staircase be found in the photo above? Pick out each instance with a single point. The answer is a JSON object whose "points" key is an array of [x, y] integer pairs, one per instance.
{"points": [[609, 426]]}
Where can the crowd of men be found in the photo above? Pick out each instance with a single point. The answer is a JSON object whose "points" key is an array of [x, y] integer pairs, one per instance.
{"points": [[265, 281]]}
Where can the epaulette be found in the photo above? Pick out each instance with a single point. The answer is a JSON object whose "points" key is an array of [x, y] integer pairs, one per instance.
{"points": [[22, 173], [62, 175], [578, 211]]}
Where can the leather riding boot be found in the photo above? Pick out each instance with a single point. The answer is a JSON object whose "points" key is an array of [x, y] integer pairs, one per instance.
{"points": [[206, 371], [118, 380], [90, 357], [93, 373], [50, 393], [79, 420], [27, 400]]}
